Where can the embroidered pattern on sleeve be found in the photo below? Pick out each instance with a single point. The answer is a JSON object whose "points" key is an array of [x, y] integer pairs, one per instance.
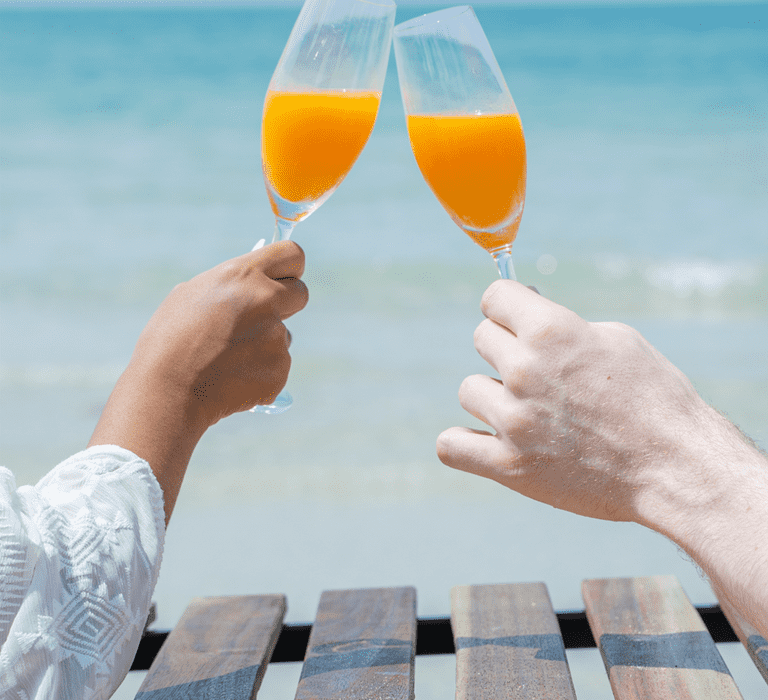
{"points": [[101, 531], [16, 560]]}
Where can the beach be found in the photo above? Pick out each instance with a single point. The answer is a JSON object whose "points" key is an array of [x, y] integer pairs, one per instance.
{"points": [[129, 161]]}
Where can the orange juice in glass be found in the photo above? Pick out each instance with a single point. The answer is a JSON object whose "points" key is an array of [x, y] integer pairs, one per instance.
{"points": [[311, 140], [464, 128]]}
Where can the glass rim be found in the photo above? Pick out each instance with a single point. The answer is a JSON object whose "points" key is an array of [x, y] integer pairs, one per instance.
{"points": [[417, 22]]}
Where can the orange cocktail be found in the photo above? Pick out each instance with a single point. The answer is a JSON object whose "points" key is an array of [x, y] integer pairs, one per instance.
{"points": [[464, 127], [312, 139], [476, 166]]}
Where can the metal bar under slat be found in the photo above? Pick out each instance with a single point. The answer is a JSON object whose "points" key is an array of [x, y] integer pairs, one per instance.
{"points": [[434, 636]]}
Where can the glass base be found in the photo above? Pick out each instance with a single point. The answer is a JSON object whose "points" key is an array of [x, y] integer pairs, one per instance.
{"points": [[283, 401]]}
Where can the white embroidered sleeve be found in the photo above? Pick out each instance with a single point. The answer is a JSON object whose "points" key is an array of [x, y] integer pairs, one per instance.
{"points": [[80, 553]]}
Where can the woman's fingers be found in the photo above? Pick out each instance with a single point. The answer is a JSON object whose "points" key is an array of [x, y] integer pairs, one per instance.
{"points": [[283, 264], [279, 260], [291, 296]]}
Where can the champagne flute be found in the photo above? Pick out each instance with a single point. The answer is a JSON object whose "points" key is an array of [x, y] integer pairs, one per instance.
{"points": [[320, 109], [464, 128]]}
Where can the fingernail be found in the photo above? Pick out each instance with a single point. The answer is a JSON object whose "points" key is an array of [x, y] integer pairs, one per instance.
{"points": [[260, 244], [290, 337]]}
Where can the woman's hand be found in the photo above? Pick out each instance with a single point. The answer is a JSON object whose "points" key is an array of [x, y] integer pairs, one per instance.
{"points": [[216, 345], [219, 341]]}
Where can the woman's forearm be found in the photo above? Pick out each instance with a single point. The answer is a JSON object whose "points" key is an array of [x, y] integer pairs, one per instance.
{"points": [[215, 346], [140, 416]]}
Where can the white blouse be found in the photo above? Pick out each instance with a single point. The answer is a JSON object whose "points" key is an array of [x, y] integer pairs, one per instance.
{"points": [[79, 557]]}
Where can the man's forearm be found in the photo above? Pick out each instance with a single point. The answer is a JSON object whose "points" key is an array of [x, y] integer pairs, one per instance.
{"points": [[727, 536], [737, 567]]}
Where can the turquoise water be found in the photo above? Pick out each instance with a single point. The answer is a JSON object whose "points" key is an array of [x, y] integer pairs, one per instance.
{"points": [[129, 160]]}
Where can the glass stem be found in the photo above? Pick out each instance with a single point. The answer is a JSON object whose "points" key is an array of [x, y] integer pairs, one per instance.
{"points": [[283, 229], [503, 260]]}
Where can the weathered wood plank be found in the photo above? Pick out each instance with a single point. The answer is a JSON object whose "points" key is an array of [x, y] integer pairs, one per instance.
{"points": [[220, 649], [750, 637], [508, 644], [362, 645], [653, 642]]}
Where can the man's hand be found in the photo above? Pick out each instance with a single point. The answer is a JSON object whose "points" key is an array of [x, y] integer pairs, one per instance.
{"points": [[588, 416], [215, 346]]}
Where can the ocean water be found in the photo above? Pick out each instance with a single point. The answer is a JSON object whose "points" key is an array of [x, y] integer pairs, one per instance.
{"points": [[129, 161]]}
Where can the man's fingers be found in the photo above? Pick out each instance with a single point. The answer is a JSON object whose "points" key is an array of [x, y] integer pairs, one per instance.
{"points": [[516, 307], [461, 448], [509, 356], [482, 397], [474, 451], [492, 338], [495, 343]]}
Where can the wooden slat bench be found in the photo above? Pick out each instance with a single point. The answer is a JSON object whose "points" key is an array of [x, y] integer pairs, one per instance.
{"points": [[219, 649], [507, 639]]}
